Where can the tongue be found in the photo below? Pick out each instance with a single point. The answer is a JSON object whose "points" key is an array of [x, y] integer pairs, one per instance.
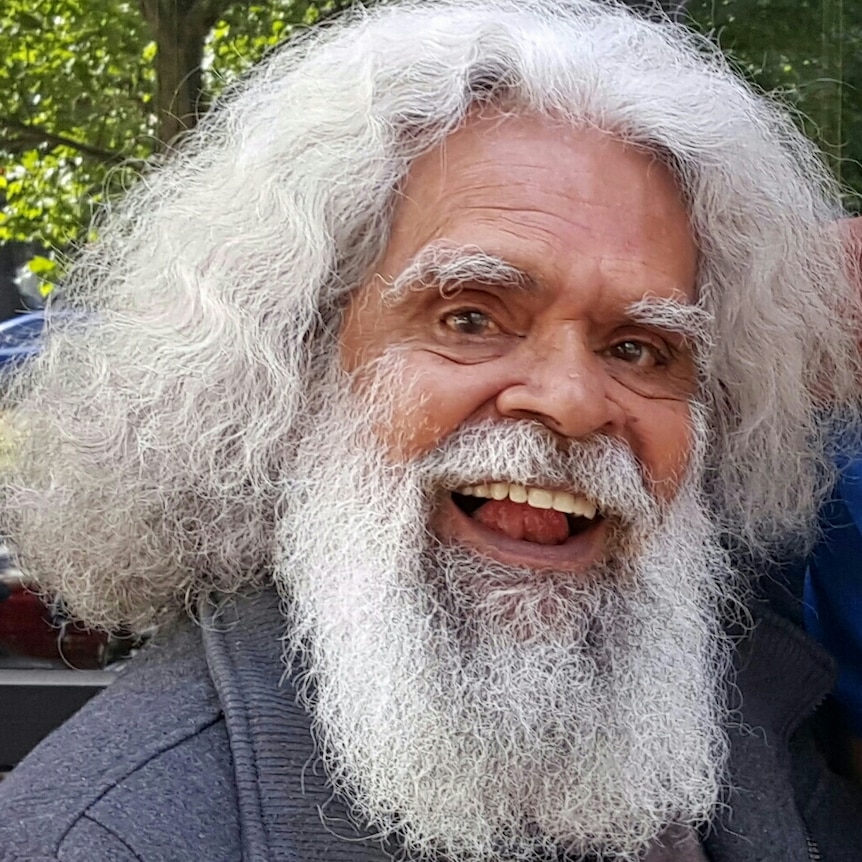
{"points": [[524, 522]]}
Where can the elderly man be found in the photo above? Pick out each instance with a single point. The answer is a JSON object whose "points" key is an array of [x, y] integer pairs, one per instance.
{"points": [[446, 402]]}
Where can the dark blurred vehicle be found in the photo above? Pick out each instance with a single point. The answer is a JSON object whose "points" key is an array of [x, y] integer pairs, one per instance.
{"points": [[49, 665], [31, 627]]}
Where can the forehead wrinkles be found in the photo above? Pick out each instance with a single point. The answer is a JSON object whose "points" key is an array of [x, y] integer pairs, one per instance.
{"points": [[526, 160]]}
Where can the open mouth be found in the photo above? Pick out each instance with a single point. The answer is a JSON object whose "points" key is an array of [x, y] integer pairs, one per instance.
{"points": [[533, 528], [527, 514]]}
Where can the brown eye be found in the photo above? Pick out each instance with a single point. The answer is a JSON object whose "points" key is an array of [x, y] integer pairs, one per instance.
{"points": [[470, 322], [639, 353]]}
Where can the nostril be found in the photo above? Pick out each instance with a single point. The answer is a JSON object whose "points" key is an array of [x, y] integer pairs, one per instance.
{"points": [[576, 407]]}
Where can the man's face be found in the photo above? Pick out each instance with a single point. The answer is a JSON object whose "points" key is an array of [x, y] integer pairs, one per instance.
{"points": [[517, 252], [517, 679]]}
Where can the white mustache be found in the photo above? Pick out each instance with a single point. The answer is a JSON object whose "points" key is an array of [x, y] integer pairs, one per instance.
{"points": [[601, 468]]}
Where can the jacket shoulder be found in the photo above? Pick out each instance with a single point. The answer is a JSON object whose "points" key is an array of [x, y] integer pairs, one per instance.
{"points": [[142, 772]]}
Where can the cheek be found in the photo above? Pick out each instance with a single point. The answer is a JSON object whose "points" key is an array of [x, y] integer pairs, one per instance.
{"points": [[431, 402], [354, 341], [423, 414], [366, 332], [661, 438]]}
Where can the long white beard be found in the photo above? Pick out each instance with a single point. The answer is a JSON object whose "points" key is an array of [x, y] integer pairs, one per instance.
{"points": [[487, 713]]}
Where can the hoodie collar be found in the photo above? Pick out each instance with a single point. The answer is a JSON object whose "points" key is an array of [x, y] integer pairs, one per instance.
{"points": [[288, 812]]}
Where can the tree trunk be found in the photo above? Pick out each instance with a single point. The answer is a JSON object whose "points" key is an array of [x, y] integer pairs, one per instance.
{"points": [[179, 28]]}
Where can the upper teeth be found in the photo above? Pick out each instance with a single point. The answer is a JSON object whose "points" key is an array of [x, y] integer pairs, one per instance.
{"points": [[540, 498]]}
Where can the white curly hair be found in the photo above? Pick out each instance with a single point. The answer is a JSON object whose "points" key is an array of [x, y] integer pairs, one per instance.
{"points": [[154, 431]]}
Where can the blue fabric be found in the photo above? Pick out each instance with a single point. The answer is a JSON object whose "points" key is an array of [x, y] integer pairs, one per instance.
{"points": [[833, 589]]}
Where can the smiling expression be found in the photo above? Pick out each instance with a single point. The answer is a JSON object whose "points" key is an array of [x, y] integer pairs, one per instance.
{"points": [[518, 252]]}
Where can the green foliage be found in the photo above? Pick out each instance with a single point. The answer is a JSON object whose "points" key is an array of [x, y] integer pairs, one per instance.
{"points": [[809, 52], [245, 33], [79, 94], [73, 95]]}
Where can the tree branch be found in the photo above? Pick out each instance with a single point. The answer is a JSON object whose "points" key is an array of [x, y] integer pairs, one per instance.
{"points": [[39, 135]]}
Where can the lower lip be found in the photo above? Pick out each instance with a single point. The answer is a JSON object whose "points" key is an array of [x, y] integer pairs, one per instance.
{"points": [[575, 555]]}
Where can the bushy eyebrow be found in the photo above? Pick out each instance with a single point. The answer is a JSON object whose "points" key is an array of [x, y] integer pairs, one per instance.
{"points": [[448, 269], [693, 322]]}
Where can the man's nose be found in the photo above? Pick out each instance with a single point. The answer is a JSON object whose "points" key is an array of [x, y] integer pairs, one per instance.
{"points": [[563, 385]]}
